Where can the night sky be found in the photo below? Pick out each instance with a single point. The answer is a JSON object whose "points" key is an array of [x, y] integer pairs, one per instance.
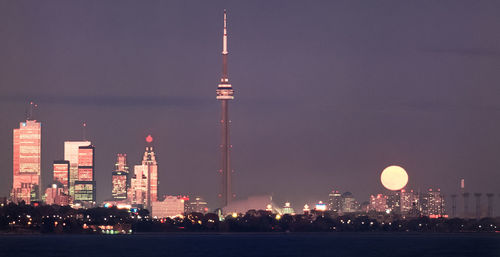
{"points": [[327, 93]]}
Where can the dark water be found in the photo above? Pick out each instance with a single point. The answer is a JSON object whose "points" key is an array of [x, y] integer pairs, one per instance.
{"points": [[304, 244]]}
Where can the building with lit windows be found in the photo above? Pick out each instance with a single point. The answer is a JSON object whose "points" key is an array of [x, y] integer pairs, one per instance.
{"points": [[320, 206], [287, 209], [144, 182], [196, 204], [26, 162], [171, 206], [335, 201], [71, 151], [349, 203], [410, 201], [120, 181], [394, 201], [61, 174], [85, 193], [432, 204], [378, 203], [55, 194], [85, 186], [306, 210]]}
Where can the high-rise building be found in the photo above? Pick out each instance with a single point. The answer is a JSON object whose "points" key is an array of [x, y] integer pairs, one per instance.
{"points": [[349, 203], [335, 201], [71, 149], [120, 181], [26, 162], [409, 201], [432, 204], [85, 186], [144, 182], [61, 174], [121, 163], [394, 201], [225, 93], [378, 203]]}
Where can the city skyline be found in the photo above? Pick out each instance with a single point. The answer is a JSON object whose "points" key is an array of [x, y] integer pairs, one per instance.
{"points": [[326, 143], [141, 187]]}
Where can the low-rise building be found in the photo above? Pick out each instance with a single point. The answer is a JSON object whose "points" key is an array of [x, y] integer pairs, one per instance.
{"points": [[171, 206]]}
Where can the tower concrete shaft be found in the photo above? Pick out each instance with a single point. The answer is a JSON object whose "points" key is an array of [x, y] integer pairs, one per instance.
{"points": [[490, 204], [478, 205], [466, 204], [227, 193], [225, 93], [453, 205]]}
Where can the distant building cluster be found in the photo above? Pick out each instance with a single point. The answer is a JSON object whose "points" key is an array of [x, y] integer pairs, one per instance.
{"points": [[73, 183], [407, 203], [73, 178]]}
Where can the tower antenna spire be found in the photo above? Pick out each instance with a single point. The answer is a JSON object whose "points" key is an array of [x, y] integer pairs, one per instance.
{"points": [[224, 50], [84, 130], [31, 108]]}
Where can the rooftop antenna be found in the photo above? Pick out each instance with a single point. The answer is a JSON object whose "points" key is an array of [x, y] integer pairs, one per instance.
{"points": [[84, 131], [31, 108]]}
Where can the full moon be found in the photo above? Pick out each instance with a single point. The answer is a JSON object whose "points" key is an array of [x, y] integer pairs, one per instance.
{"points": [[394, 178]]}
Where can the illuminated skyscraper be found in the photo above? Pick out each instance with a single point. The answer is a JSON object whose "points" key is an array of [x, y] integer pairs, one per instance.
{"points": [[335, 201], [349, 203], [409, 201], [378, 203], [144, 182], [394, 201], [121, 162], [119, 180], [85, 186], [71, 155], [225, 93], [432, 204], [26, 162], [61, 174]]}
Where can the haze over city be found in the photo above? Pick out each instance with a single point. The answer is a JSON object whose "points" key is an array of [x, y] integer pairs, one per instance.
{"points": [[328, 94]]}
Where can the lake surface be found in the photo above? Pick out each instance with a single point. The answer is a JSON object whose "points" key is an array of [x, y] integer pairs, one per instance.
{"points": [[240, 244]]}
